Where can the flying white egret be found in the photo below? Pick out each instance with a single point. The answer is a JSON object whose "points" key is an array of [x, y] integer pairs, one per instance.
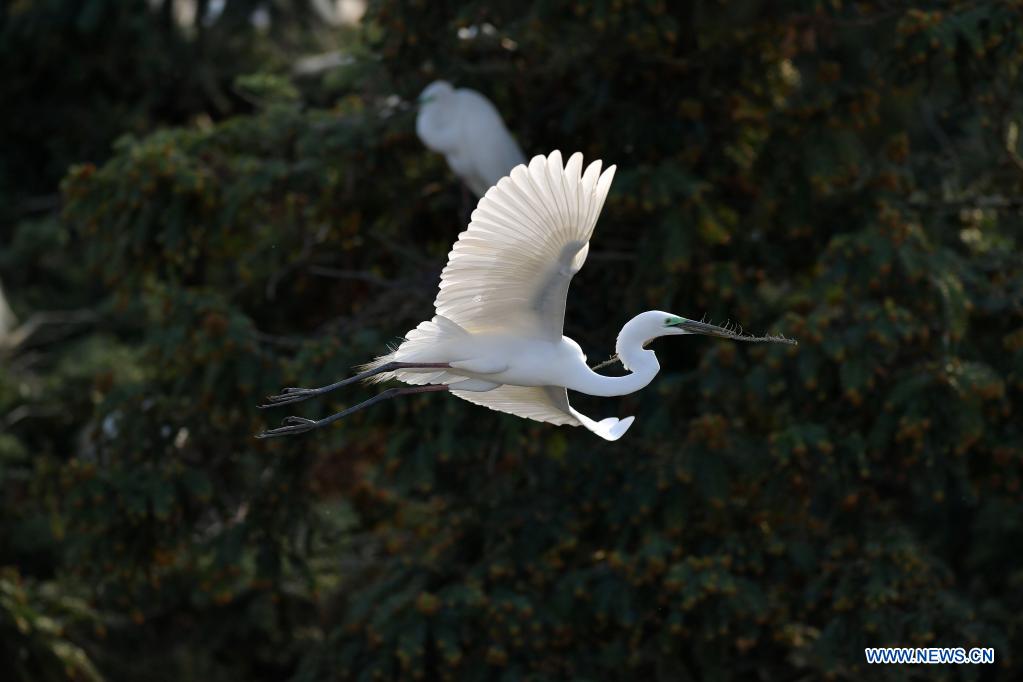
{"points": [[465, 127], [496, 338]]}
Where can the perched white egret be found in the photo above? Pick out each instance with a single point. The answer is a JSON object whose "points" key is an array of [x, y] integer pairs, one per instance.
{"points": [[496, 338], [7, 319], [465, 127]]}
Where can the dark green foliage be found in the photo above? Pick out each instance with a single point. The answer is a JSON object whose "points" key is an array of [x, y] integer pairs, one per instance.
{"points": [[845, 174]]}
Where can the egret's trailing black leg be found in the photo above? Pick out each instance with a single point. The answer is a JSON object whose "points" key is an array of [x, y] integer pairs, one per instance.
{"points": [[301, 425], [295, 395]]}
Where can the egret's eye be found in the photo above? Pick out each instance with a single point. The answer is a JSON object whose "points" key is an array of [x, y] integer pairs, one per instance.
{"points": [[667, 320]]}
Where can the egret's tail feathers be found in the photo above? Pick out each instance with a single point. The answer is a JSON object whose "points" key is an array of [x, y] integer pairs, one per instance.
{"points": [[421, 344], [611, 428]]}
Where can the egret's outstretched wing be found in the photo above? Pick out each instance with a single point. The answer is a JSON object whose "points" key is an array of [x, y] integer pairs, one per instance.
{"points": [[545, 404], [511, 269]]}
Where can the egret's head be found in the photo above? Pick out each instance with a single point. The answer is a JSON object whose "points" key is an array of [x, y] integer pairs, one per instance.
{"points": [[673, 324], [434, 91]]}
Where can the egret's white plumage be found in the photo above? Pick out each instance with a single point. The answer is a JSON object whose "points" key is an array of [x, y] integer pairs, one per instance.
{"points": [[506, 283], [496, 337], [466, 128]]}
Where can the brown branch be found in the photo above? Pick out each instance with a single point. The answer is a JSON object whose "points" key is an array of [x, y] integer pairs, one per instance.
{"points": [[359, 275], [23, 332], [40, 204], [23, 412], [275, 340], [995, 202]]}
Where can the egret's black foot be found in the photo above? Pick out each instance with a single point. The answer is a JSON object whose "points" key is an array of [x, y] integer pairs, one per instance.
{"points": [[291, 425], [291, 395], [301, 424], [295, 395]]}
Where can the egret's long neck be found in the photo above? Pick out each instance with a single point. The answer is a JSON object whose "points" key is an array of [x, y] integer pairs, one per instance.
{"points": [[641, 363]]}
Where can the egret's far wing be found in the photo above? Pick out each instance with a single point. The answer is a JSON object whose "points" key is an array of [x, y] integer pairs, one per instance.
{"points": [[542, 403], [545, 404], [511, 269]]}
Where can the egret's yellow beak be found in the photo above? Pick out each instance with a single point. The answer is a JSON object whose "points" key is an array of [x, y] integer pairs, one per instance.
{"points": [[694, 327]]}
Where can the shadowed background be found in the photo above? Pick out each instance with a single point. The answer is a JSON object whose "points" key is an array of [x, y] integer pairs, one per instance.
{"points": [[203, 202]]}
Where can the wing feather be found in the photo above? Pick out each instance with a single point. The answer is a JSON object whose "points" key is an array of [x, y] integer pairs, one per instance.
{"points": [[545, 404], [529, 235], [542, 403]]}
